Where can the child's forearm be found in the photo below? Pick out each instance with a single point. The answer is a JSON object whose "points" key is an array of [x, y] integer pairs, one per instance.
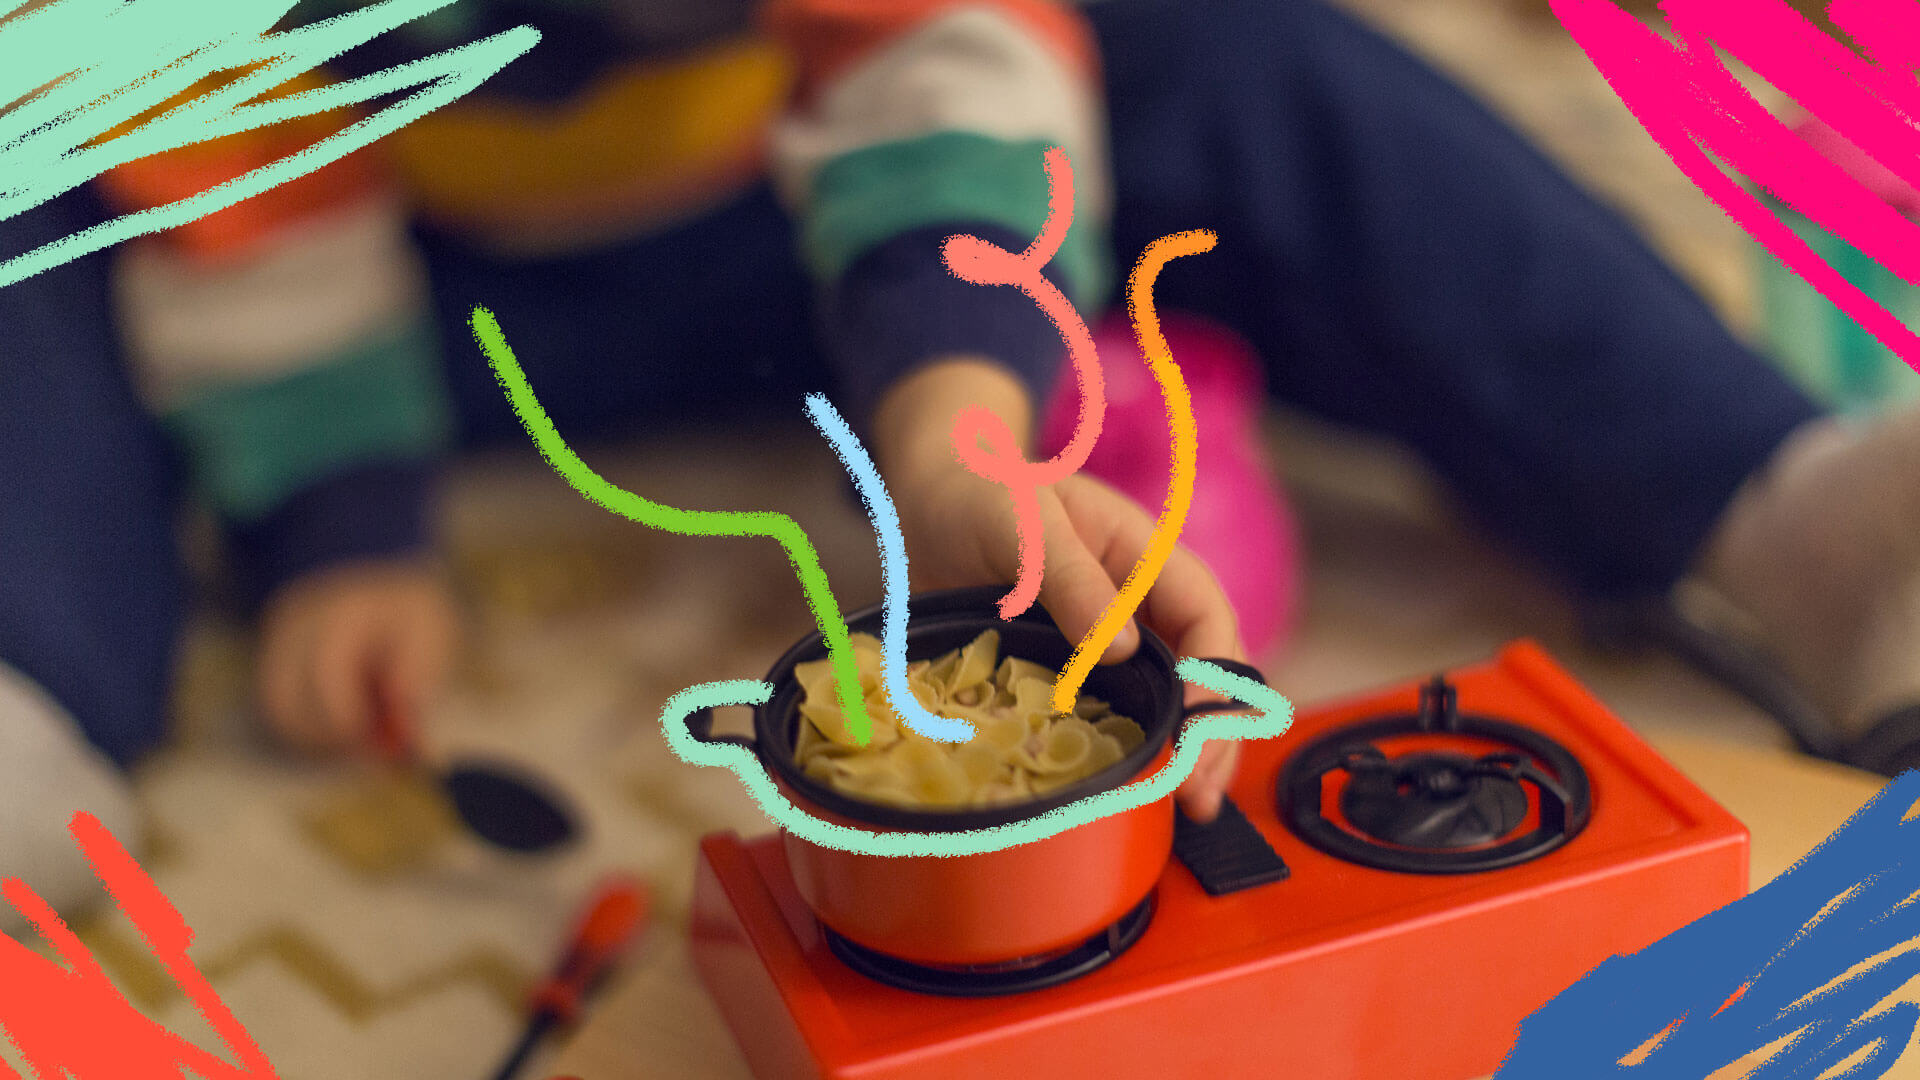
{"points": [[913, 424]]}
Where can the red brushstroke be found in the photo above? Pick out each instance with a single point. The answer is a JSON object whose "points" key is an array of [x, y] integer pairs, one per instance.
{"points": [[978, 262], [65, 1017]]}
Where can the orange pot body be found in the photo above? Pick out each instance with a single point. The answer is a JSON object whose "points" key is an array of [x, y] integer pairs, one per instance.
{"points": [[990, 908]]}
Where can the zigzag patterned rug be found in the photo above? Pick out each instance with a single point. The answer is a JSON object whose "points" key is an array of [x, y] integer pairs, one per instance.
{"points": [[348, 924]]}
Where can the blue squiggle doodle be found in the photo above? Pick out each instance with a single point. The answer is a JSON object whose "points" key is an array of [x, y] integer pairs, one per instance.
{"points": [[1757, 970], [893, 574], [85, 67], [1273, 716]]}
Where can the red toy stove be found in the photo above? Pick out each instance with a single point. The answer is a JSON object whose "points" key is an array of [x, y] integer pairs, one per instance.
{"points": [[1397, 883]]}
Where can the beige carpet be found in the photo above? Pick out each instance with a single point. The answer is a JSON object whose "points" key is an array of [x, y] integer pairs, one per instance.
{"points": [[584, 624]]}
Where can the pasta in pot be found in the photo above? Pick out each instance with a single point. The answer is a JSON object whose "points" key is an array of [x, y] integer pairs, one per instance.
{"points": [[1021, 749]]}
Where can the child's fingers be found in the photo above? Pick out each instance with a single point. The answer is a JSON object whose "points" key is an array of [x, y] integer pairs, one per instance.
{"points": [[1189, 608], [1186, 605], [418, 654], [1226, 764], [282, 676], [343, 661], [1077, 588], [1200, 796]]}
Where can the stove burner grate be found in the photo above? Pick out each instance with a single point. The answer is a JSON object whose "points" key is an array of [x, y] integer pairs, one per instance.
{"points": [[1436, 812], [991, 980], [1434, 801]]}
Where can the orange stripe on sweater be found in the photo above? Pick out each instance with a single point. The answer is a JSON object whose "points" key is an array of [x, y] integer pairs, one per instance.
{"points": [[665, 126], [250, 224], [828, 37]]}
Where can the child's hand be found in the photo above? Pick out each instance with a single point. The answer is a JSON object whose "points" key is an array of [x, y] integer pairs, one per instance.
{"points": [[960, 532], [331, 640]]}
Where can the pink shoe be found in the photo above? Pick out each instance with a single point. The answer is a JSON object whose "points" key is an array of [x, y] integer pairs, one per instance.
{"points": [[1240, 524]]}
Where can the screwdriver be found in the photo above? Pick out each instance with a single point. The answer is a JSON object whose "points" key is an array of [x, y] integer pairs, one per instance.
{"points": [[614, 918]]}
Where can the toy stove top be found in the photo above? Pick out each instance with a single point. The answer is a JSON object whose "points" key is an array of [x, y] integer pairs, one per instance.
{"points": [[1399, 881]]}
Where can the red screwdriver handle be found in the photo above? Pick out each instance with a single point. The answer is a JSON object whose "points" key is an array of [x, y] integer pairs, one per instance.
{"points": [[614, 918]]}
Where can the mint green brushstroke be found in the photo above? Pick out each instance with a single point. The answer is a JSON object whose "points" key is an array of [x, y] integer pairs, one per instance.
{"points": [[893, 575], [603, 492], [109, 61], [1272, 716]]}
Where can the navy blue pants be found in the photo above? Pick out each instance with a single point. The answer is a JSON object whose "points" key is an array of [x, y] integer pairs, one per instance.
{"points": [[1403, 261]]}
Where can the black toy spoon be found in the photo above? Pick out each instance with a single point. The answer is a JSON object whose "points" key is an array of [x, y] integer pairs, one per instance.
{"points": [[498, 803]]}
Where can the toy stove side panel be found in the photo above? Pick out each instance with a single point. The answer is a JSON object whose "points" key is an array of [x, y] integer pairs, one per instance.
{"points": [[734, 959], [1440, 998]]}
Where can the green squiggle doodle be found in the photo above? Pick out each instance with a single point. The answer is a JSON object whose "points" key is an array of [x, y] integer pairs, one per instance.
{"points": [[109, 61], [602, 492], [1273, 715]]}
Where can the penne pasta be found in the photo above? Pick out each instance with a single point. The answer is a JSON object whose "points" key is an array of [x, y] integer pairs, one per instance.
{"points": [[1021, 749]]}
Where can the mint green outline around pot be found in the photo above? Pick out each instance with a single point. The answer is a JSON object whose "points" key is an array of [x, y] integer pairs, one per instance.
{"points": [[1272, 716], [109, 61]]}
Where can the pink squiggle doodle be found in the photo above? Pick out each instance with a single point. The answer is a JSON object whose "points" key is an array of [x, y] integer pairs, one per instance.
{"points": [[978, 262], [1686, 98]]}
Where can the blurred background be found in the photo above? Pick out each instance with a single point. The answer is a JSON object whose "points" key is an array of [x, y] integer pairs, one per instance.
{"points": [[350, 949]]}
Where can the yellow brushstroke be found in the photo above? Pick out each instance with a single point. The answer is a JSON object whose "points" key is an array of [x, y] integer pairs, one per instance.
{"points": [[1173, 516]]}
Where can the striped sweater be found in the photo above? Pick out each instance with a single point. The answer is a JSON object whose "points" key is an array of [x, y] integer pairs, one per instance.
{"points": [[286, 341]]}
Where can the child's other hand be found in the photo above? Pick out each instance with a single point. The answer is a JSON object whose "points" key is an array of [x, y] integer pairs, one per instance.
{"points": [[330, 639]]}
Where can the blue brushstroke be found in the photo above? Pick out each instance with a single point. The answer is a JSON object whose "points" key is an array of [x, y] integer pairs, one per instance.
{"points": [[893, 575], [1782, 948]]}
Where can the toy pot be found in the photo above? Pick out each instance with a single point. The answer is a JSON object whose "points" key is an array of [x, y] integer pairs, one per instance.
{"points": [[1000, 907]]}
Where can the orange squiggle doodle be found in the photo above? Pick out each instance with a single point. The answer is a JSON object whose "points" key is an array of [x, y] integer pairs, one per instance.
{"points": [[978, 262], [67, 1019], [1186, 446]]}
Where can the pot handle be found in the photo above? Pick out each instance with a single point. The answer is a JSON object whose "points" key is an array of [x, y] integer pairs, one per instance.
{"points": [[1234, 667], [700, 726], [1227, 854]]}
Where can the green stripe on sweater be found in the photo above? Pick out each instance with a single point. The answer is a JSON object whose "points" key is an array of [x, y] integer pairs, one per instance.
{"points": [[252, 445], [862, 198]]}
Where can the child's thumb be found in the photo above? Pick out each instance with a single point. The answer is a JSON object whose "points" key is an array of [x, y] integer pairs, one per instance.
{"points": [[1077, 590]]}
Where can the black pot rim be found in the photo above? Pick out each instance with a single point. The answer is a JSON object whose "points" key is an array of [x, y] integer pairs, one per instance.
{"points": [[975, 607]]}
